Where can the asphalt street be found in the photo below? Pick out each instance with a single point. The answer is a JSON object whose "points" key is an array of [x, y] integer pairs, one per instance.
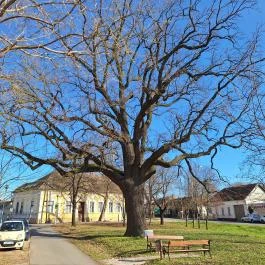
{"points": [[48, 247]]}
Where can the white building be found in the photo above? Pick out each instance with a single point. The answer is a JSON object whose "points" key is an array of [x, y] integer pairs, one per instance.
{"points": [[48, 199], [234, 202]]}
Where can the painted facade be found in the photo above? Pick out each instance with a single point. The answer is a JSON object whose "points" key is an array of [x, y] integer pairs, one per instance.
{"points": [[234, 203], [41, 204]]}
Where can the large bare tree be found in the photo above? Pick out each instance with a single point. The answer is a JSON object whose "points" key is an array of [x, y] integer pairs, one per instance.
{"points": [[127, 86]]}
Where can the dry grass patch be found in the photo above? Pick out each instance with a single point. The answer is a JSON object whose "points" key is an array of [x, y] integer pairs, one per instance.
{"points": [[15, 257], [231, 244]]}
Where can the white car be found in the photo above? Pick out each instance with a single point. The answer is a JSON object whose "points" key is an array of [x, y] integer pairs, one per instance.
{"points": [[262, 219], [12, 234], [251, 217]]}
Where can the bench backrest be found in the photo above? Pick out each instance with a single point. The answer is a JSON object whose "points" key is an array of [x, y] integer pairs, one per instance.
{"points": [[188, 243], [165, 237], [198, 242]]}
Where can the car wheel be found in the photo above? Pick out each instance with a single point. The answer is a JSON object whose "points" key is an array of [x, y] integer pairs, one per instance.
{"points": [[21, 248], [262, 221], [251, 221]]}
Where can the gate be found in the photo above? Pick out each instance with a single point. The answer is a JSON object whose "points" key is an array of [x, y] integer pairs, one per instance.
{"points": [[239, 212]]}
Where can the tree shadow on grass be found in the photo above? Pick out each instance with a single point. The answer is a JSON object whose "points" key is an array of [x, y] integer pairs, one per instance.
{"points": [[45, 231], [135, 253]]}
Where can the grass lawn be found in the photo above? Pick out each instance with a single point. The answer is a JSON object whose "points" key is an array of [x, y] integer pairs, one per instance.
{"points": [[15, 257], [231, 244]]}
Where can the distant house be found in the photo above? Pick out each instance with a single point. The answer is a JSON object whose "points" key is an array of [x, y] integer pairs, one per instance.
{"points": [[235, 202], [48, 200], [180, 207], [190, 207]]}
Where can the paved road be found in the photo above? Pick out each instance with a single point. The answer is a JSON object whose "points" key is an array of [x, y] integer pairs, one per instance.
{"points": [[49, 248], [171, 220]]}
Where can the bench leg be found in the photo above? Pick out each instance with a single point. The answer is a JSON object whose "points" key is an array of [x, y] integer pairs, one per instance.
{"points": [[150, 247], [163, 251]]}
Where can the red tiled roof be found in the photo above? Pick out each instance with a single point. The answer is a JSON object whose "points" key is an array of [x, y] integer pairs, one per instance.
{"points": [[90, 182], [235, 193]]}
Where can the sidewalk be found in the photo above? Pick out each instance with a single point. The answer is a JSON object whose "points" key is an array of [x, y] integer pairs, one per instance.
{"points": [[50, 248]]}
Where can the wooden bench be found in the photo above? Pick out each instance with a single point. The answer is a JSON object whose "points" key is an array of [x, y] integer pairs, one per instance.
{"points": [[153, 241], [185, 246]]}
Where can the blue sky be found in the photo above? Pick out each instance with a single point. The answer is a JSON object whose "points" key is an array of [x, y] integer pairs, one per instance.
{"points": [[228, 161]]}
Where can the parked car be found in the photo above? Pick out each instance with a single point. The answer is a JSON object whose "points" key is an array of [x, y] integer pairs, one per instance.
{"points": [[26, 227], [12, 234], [251, 217], [262, 219]]}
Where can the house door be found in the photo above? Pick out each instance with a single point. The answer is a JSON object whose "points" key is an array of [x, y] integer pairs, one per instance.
{"points": [[239, 211], [81, 212]]}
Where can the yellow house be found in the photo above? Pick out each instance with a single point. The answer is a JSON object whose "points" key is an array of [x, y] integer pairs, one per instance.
{"points": [[49, 199]]}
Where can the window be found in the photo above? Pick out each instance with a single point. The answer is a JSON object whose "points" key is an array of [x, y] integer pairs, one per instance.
{"points": [[229, 211], [111, 207], [21, 207], [31, 206], [17, 207], [118, 207], [92, 207], [223, 212], [49, 206], [100, 206], [217, 212], [68, 207]]}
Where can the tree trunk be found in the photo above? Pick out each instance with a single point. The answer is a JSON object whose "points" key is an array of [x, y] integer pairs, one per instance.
{"points": [[134, 205], [102, 214], [150, 213], [161, 217], [150, 210], [74, 213], [206, 221], [123, 216]]}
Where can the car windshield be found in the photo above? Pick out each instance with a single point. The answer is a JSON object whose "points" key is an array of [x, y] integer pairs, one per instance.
{"points": [[12, 226], [25, 222]]}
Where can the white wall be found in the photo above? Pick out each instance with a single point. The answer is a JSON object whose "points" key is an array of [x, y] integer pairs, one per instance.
{"points": [[257, 195], [256, 199], [224, 214], [26, 197]]}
